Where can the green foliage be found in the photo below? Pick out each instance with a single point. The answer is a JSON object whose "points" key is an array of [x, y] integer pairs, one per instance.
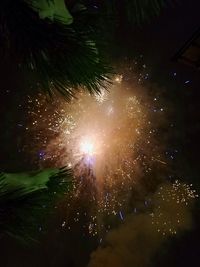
{"points": [[38, 54], [27, 198], [52, 9]]}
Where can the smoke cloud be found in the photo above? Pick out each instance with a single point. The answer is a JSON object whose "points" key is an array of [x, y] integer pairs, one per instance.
{"points": [[136, 241]]}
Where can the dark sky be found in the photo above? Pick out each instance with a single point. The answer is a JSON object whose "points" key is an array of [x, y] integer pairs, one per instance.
{"points": [[163, 36], [158, 41]]}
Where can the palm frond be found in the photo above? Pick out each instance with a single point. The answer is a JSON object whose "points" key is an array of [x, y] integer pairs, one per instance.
{"points": [[50, 56], [52, 9], [26, 199]]}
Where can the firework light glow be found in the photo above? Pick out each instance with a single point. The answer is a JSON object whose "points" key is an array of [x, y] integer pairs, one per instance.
{"points": [[105, 127], [87, 147], [108, 139]]}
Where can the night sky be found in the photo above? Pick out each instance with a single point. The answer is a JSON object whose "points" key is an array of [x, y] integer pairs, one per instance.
{"points": [[152, 44]]}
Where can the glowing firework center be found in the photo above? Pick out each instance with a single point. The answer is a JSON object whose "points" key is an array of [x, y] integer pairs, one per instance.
{"points": [[87, 147]]}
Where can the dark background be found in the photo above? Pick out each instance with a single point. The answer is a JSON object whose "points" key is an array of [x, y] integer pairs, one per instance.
{"points": [[157, 41]]}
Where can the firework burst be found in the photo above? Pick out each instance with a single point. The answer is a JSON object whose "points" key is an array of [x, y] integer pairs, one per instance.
{"points": [[107, 139], [171, 212]]}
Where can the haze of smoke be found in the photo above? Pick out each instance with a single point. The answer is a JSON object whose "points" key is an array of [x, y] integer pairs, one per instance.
{"points": [[137, 240]]}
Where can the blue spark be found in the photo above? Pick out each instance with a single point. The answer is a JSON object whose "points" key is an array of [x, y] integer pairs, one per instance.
{"points": [[41, 154], [121, 216]]}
